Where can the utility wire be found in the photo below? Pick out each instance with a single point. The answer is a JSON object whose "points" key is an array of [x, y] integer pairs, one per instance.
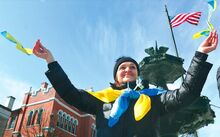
{"points": [[215, 106]]}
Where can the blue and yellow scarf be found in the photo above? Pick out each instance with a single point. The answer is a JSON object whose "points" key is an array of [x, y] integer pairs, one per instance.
{"points": [[122, 99]]}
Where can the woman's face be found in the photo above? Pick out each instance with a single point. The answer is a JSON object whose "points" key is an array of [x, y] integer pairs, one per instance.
{"points": [[127, 72]]}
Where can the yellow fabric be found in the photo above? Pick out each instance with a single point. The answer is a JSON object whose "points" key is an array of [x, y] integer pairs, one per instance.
{"points": [[141, 108], [201, 33], [9, 36], [18, 45], [107, 95], [25, 50]]}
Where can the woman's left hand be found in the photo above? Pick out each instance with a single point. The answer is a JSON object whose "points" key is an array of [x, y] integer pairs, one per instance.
{"points": [[210, 43]]}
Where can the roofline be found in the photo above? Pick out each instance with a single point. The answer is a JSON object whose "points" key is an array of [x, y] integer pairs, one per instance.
{"points": [[4, 107]]}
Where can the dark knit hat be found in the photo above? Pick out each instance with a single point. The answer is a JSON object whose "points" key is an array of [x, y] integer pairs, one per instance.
{"points": [[121, 60]]}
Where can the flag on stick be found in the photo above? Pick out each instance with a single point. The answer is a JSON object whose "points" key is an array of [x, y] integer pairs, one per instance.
{"points": [[192, 18]]}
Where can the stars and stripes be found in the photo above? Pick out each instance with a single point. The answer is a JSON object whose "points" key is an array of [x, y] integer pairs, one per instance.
{"points": [[192, 18]]}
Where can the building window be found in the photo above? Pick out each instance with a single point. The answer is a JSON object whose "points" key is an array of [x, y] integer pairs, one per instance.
{"points": [[29, 118], [12, 122], [39, 117], [34, 117], [59, 120], [71, 125], [63, 121], [93, 130], [67, 122], [75, 123]]}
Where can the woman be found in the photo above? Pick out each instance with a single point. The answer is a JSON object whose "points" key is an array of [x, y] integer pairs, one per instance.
{"points": [[113, 117]]}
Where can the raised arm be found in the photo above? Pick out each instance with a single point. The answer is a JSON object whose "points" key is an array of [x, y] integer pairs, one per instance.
{"points": [[62, 84], [195, 78]]}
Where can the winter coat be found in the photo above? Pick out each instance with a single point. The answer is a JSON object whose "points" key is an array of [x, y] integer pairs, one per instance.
{"points": [[170, 101], [218, 79]]}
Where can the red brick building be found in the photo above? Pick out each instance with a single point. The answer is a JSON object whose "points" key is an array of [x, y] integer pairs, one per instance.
{"points": [[44, 114]]}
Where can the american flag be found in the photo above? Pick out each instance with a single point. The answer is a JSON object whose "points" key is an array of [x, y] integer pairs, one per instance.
{"points": [[192, 18]]}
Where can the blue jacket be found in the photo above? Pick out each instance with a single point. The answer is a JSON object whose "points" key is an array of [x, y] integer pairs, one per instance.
{"points": [[127, 126]]}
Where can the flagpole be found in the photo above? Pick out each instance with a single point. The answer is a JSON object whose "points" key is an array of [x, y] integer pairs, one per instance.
{"points": [[171, 29], [174, 42]]}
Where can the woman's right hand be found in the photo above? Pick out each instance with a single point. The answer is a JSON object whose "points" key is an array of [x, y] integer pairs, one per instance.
{"points": [[40, 51]]}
